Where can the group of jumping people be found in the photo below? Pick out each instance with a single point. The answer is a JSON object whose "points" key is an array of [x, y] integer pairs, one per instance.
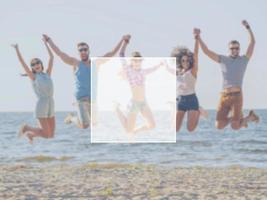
{"points": [[229, 111]]}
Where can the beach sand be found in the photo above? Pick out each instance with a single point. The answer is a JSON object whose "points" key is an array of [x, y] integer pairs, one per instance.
{"points": [[130, 181]]}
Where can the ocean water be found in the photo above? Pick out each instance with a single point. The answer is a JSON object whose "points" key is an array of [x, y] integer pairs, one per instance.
{"points": [[110, 130], [205, 147]]}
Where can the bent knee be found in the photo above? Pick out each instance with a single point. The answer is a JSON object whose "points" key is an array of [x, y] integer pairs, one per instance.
{"points": [[152, 126], [235, 125], [191, 128], [220, 125], [84, 126], [47, 133], [129, 130]]}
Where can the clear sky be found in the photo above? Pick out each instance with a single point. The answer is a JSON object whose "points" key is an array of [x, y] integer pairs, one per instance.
{"points": [[156, 27]]}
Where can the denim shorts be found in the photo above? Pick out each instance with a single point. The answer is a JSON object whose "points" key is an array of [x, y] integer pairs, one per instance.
{"points": [[187, 102]]}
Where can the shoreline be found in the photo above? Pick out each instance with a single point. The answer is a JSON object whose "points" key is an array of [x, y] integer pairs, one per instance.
{"points": [[130, 181]]}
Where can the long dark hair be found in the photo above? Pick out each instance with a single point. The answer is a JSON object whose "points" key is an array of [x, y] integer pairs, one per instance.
{"points": [[178, 53]]}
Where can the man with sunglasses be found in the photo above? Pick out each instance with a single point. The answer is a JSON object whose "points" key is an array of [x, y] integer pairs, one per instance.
{"points": [[82, 75], [233, 68]]}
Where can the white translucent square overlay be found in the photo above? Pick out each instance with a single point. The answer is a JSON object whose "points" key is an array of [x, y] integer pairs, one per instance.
{"points": [[126, 88]]}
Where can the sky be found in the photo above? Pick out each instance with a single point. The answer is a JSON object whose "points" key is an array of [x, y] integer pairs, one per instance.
{"points": [[156, 27]]}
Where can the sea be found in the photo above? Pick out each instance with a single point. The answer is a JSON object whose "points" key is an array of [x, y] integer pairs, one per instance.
{"points": [[205, 147]]}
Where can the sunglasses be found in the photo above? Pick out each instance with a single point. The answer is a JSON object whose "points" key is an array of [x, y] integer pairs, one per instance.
{"points": [[35, 63], [185, 61], [83, 49], [235, 48]]}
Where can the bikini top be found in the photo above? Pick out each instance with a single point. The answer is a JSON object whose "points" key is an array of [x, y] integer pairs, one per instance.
{"points": [[135, 77]]}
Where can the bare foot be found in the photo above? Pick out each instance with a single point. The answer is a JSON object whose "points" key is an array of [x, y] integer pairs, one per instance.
{"points": [[30, 137], [203, 113], [67, 120], [22, 130], [244, 125], [253, 117]]}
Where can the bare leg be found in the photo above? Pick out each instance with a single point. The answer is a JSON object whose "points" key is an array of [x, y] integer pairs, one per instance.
{"points": [[150, 122], [221, 124], [192, 120], [223, 117], [121, 116], [173, 113], [252, 117], [52, 126], [83, 118], [75, 120], [128, 122], [131, 120], [94, 113], [179, 119], [44, 130]]}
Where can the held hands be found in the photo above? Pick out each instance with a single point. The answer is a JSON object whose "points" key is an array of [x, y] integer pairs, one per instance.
{"points": [[15, 46], [245, 23], [46, 38], [126, 38], [196, 32]]}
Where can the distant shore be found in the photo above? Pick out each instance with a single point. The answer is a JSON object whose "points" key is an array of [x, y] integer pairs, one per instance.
{"points": [[130, 181]]}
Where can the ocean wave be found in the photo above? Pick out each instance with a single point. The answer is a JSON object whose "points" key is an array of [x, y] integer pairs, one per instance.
{"points": [[253, 151], [253, 141]]}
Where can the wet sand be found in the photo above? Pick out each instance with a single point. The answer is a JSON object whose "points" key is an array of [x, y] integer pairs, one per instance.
{"points": [[130, 181]]}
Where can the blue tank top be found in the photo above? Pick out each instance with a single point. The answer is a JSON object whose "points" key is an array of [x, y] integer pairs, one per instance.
{"points": [[43, 85], [82, 81]]}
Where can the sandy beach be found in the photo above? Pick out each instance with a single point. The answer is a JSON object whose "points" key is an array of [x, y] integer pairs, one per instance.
{"points": [[130, 181]]}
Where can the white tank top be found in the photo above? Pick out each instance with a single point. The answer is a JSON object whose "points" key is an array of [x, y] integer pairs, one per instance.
{"points": [[185, 84]]}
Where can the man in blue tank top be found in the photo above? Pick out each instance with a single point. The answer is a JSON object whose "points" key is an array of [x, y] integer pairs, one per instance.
{"points": [[82, 76], [233, 69]]}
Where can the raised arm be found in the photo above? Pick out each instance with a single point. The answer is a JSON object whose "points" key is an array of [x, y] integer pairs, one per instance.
{"points": [[152, 69], [170, 69], [112, 53], [22, 62], [212, 55], [252, 40], [64, 57], [196, 49], [126, 40], [51, 59]]}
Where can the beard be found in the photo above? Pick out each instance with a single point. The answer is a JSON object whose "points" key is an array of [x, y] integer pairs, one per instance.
{"points": [[84, 59], [234, 55]]}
